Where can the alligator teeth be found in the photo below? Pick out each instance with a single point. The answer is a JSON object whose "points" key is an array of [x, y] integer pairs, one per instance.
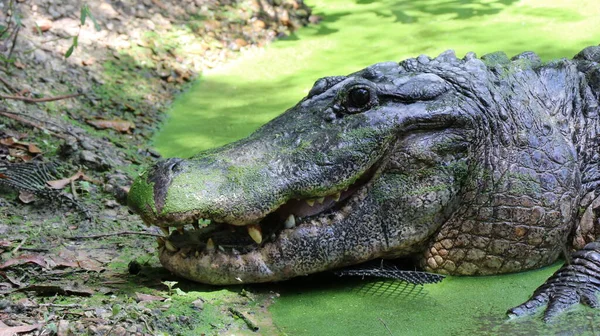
{"points": [[336, 196], [170, 246], [197, 254], [221, 248], [320, 200], [310, 202], [183, 255], [290, 222], [210, 244], [160, 241], [254, 232], [165, 230]]}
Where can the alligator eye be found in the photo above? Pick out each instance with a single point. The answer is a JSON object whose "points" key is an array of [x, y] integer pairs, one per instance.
{"points": [[359, 97]]}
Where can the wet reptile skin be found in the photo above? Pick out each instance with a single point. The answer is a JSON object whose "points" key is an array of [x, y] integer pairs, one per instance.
{"points": [[470, 166]]}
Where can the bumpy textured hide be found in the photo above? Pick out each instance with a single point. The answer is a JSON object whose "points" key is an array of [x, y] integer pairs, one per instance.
{"points": [[470, 166]]}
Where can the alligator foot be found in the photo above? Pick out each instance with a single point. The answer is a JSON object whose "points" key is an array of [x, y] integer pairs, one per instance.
{"points": [[575, 282]]}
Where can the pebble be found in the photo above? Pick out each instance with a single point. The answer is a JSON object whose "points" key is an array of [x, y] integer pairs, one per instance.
{"points": [[55, 14], [40, 56], [108, 11], [198, 304]]}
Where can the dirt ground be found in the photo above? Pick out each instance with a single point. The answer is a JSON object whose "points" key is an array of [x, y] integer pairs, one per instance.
{"points": [[83, 86]]}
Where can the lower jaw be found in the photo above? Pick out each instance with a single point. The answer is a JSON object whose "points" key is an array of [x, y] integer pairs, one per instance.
{"points": [[295, 252], [272, 262], [221, 269]]}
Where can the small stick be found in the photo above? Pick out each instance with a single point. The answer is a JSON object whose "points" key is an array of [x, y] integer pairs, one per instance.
{"points": [[251, 325], [55, 305], [14, 44], [385, 325], [73, 191], [40, 100], [7, 84], [19, 246], [116, 234], [34, 249], [16, 116]]}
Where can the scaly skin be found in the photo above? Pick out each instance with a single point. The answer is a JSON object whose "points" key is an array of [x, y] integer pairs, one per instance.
{"points": [[472, 166]]}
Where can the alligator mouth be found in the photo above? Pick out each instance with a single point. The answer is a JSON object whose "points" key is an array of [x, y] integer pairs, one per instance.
{"points": [[207, 235]]}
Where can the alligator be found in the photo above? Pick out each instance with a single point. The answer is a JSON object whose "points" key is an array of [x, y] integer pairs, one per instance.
{"points": [[469, 166]]}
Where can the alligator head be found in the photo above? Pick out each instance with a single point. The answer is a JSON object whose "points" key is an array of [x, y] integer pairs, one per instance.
{"points": [[369, 165]]}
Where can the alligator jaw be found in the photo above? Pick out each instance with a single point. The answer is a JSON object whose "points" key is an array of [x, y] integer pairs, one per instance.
{"points": [[224, 248]]}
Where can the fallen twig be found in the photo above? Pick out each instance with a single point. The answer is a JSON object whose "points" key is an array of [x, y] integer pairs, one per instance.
{"points": [[16, 116], [40, 100], [55, 305], [251, 325], [73, 190], [116, 234], [19, 246], [385, 325], [14, 44], [33, 249], [7, 84]]}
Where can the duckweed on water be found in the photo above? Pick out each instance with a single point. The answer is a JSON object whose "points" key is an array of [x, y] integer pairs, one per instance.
{"points": [[229, 103]]}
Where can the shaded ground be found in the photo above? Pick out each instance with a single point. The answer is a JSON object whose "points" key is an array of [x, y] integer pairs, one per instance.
{"points": [[71, 260]]}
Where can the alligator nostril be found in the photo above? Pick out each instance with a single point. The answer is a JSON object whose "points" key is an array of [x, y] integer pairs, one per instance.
{"points": [[174, 164]]}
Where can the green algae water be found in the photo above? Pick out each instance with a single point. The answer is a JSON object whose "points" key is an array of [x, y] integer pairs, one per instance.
{"points": [[230, 102]]}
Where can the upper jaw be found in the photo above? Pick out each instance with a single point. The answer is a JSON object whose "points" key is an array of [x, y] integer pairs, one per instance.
{"points": [[207, 234]]}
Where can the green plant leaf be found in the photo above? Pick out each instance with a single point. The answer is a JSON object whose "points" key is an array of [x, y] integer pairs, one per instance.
{"points": [[70, 51], [116, 308], [84, 13], [37, 29]]}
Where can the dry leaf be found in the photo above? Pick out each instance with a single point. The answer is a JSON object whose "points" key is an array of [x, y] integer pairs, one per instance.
{"points": [[33, 149], [15, 152], [80, 259], [147, 297], [116, 124], [11, 331], [24, 259], [59, 184], [44, 289], [26, 158], [7, 141], [26, 196]]}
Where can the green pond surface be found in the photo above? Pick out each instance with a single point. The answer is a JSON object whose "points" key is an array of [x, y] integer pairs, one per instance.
{"points": [[230, 102]]}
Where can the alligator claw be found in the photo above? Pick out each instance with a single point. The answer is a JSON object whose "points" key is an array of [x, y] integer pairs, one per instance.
{"points": [[576, 282]]}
